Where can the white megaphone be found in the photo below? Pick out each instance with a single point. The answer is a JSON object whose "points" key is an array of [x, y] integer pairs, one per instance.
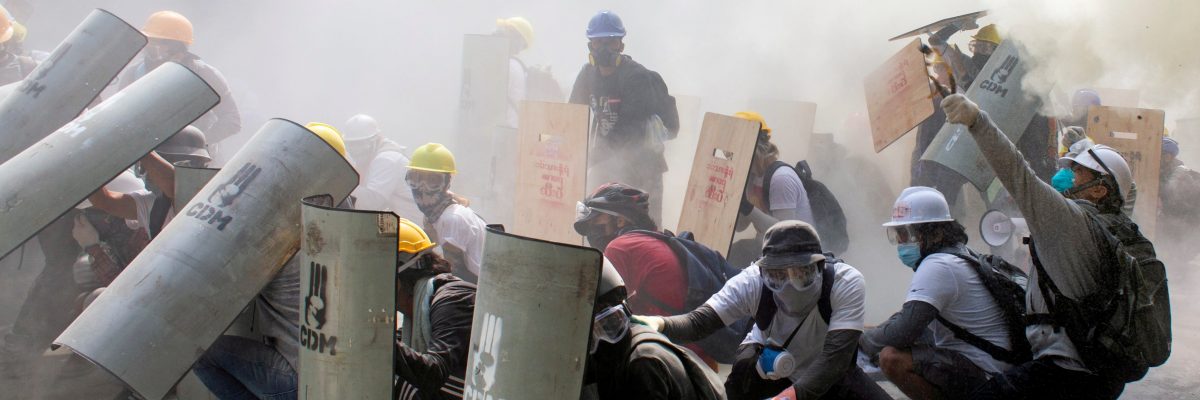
{"points": [[998, 229]]}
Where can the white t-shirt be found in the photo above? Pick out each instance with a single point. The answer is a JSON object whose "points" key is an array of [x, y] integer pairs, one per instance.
{"points": [[144, 199], [383, 187], [739, 297], [787, 192], [950, 285], [460, 227]]}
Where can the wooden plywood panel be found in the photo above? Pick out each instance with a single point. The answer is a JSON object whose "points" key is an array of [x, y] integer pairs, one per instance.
{"points": [[718, 178], [898, 95], [1137, 134], [791, 124], [551, 170]]}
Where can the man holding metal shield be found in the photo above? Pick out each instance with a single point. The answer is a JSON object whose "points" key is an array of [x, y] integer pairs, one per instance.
{"points": [[449, 221], [170, 35], [431, 359]]}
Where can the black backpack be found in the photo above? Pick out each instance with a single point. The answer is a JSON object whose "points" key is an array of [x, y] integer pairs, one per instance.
{"points": [[766, 301], [706, 383], [1124, 327], [707, 272], [1007, 284], [829, 219]]}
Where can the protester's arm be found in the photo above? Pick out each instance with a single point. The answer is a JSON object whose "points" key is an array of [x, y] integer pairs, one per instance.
{"points": [[582, 89], [837, 357], [695, 325], [901, 330], [160, 173], [637, 105], [120, 205], [450, 320], [381, 181]]}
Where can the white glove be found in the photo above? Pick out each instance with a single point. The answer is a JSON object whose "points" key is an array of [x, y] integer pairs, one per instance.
{"points": [[960, 110], [652, 322], [84, 232]]}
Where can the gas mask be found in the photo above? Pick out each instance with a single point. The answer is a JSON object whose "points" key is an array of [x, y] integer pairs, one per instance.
{"points": [[610, 325], [796, 288], [603, 56], [429, 191], [775, 363], [598, 235]]}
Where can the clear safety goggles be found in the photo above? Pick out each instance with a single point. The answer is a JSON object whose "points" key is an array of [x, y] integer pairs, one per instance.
{"points": [[610, 325], [427, 182], [902, 234], [583, 212], [798, 276]]}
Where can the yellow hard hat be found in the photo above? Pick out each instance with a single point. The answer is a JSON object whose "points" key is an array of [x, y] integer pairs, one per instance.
{"points": [[521, 25], [412, 239], [19, 32], [6, 26], [432, 157], [168, 25], [753, 116], [988, 34], [329, 134]]}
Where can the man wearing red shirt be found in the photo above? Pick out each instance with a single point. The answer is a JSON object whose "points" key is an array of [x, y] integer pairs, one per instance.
{"points": [[610, 220]]}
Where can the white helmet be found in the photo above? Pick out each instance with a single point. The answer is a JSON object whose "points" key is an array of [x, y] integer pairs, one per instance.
{"points": [[360, 127], [125, 182], [918, 205], [1106, 160]]}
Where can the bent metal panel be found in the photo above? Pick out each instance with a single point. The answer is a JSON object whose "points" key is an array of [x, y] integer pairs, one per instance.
{"points": [[160, 315]]}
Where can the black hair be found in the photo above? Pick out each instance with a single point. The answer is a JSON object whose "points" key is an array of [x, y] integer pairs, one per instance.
{"points": [[1112, 202], [934, 236], [429, 264]]}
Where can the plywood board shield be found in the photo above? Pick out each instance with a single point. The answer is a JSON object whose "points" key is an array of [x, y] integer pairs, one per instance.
{"points": [[551, 170], [1137, 134], [791, 124], [482, 109], [998, 91], [719, 173], [898, 95]]}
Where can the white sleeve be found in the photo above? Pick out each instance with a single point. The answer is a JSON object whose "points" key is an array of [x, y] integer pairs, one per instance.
{"points": [[787, 192], [384, 187], [739, 297], [934, 282], [144, 201], [848, 300]]}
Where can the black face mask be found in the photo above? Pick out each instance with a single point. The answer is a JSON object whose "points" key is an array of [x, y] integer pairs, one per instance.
{"points": [[604, 57]]}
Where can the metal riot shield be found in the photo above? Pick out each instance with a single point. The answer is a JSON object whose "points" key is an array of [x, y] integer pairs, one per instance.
{"points": [[998, 91], [50, 177], [58, 89], [157, 318], [188, 181], [533, 315], [348, 321]]}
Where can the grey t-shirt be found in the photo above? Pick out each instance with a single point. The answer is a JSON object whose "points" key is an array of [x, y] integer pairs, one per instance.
{"points": [[277, 312], [950, 285], [1062, 236]]}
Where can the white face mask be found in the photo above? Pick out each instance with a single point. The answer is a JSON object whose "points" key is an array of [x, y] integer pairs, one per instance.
{"points": [[796, 302]]}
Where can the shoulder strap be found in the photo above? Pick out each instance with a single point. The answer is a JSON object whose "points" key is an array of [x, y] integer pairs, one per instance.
{"points": [[158, 215], [824, 304], [992, 349]]}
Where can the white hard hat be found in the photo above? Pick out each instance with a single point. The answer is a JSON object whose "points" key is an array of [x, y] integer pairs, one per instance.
{"points": [[1074, 150], [1105, 160], [360, 127], [918, 205]]}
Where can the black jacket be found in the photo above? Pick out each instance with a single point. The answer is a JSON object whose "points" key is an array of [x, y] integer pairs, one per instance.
{"points": [[621, 104], [438, 373]]}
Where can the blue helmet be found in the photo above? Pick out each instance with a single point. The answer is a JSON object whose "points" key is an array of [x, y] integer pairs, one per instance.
{"points": [[605, 24]]}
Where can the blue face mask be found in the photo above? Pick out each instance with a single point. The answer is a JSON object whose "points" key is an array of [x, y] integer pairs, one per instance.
{"points": [[910, 254], [1063, 180]]}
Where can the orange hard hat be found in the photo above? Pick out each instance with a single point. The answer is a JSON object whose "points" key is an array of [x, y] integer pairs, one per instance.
{"points": [[168, 25]]}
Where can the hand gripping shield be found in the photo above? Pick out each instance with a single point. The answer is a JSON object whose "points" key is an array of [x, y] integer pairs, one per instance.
{"points": [[160, 315], [58, 89], [48, 178], [347, 303], [533, 314], [998, 91]]}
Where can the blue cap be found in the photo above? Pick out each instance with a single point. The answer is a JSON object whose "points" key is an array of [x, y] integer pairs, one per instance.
{"points": [[605, 24], [1170, 146], [1086, 97]]}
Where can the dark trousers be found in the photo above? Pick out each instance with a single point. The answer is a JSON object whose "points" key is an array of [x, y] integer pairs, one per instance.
{"points": [[1042, 379], [745, 383]]}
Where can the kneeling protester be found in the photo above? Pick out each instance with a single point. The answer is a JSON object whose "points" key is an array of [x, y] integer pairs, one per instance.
{"points": [[808, 310]]}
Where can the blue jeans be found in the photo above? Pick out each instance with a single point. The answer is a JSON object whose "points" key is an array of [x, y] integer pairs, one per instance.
{"points": [[236, 368]]}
